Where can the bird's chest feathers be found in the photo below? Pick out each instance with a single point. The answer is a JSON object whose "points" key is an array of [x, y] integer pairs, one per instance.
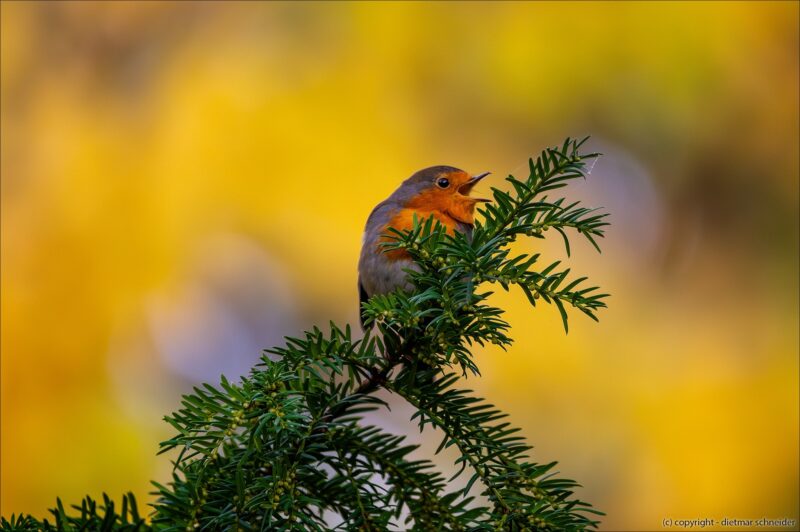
{"points": [[449, 210]]}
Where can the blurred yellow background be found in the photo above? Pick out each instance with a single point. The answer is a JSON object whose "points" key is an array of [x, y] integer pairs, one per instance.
{"points": [[184, 184]]}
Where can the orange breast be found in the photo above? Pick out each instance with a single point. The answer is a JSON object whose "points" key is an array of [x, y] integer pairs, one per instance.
{"points": [[404, 221]]}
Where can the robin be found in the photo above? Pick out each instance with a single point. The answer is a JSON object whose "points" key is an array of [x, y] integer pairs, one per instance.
{"points": [[438, 191]]}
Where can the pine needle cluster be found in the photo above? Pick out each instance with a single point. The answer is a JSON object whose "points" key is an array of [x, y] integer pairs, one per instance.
{"points": [[287, 447]]}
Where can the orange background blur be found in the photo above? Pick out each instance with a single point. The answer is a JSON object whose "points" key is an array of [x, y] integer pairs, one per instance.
{"points": [[184, 184]]}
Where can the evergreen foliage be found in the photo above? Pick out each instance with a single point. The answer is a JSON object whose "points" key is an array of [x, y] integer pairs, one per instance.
{"points": [[287, 448]]}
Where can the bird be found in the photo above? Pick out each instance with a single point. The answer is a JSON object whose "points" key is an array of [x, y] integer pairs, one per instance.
{"points": [[439, 191]]}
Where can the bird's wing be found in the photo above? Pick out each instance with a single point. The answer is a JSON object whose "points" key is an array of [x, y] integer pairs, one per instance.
{"points": [[362, 298]]}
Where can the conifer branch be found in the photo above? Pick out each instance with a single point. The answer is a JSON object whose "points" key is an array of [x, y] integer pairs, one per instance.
{"points": [[285, 448]]}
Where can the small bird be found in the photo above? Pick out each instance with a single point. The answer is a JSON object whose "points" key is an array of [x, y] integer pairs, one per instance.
{"points": [[438, 191]]}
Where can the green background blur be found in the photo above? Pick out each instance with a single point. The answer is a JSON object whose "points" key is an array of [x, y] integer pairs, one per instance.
{"points": [[184, 184]]}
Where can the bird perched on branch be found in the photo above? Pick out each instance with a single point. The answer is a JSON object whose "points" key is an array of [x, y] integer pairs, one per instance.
{"points": [[438, 191]]}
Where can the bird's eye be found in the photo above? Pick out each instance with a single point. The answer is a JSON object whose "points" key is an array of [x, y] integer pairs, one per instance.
{"points": [[443, 182]]}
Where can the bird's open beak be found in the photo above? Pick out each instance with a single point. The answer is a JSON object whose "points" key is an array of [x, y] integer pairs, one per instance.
{"points": [[467, 187]]}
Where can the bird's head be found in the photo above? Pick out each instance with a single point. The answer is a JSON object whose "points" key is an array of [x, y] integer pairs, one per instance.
{"points": [[442, 189]]}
